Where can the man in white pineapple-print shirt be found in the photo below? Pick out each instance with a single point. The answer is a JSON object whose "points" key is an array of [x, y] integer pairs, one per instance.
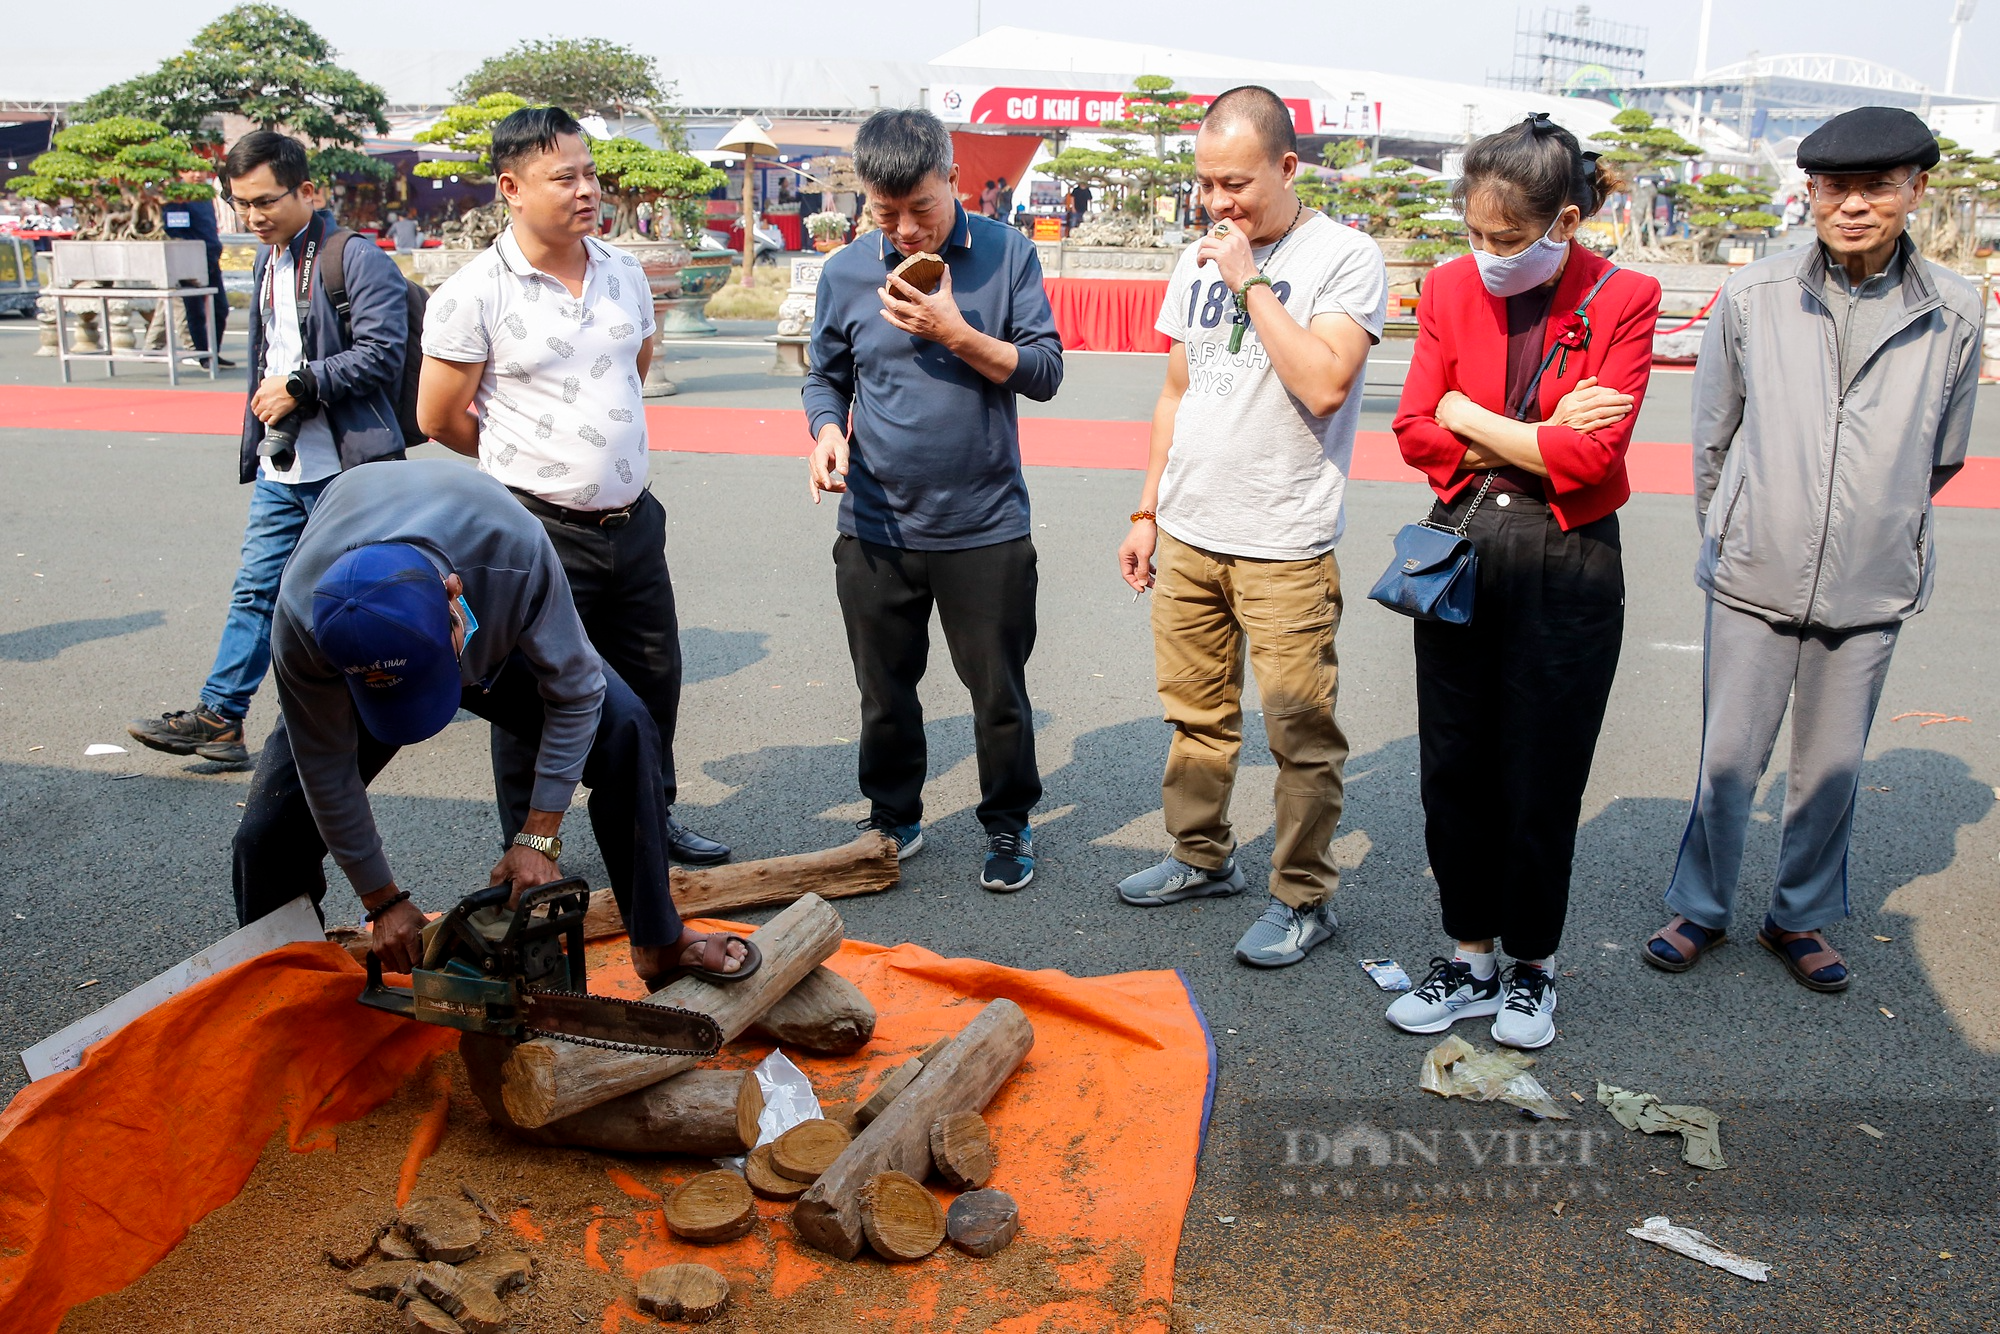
{"points": [[547, 337]]}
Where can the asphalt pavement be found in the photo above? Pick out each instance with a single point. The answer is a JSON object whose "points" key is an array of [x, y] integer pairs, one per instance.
{"points": [[119, 552]]}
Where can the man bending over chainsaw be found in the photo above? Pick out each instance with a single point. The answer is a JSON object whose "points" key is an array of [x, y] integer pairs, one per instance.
{"points": [[414, 592]]}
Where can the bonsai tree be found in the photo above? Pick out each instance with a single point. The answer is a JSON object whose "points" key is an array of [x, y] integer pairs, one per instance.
{"points": [[467, 129], [582, 76], [1962, 185], [269, 66], [120, 172], [1392, 200], [632, 174], [1639, 147], [1721, 202], [1155, 110]]}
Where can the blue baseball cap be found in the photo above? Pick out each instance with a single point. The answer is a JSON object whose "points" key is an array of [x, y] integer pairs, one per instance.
{"points": [[379, 615]]}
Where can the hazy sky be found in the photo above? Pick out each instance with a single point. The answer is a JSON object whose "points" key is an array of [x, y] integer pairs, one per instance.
{"points": [[1457, 39]]}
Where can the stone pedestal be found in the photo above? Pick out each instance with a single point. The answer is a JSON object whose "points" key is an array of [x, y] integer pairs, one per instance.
{"points": [[83, 331], [119, 313], [795, 318], [701, 278], [45, 319]]}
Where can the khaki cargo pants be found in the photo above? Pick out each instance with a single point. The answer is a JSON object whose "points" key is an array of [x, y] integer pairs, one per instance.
{"points": [[1205, 607]]}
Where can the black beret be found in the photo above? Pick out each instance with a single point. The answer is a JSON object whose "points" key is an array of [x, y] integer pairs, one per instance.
{"points": [[1869, 139]]}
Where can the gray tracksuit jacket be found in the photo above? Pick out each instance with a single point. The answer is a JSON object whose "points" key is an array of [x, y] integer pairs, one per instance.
{"points": [[1813, 492]]}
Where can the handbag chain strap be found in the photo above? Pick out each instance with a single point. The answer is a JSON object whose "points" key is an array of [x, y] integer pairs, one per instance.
{"points": [[1477, 501]]}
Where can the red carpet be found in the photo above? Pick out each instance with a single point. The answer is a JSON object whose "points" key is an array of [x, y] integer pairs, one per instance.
{"points": [[1656, 468]]}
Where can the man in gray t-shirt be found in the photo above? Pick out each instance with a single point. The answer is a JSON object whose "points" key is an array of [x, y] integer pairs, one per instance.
{"points": [[1271, 316]]}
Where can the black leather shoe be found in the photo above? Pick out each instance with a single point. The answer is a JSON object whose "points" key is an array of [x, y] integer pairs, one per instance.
{"points": [[691, 849]]}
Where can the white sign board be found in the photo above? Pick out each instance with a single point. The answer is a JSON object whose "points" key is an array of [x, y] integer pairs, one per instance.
{"points": [[63, 1050]]}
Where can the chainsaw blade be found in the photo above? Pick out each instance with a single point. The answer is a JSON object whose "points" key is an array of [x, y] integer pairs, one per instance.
{"points": [[623, 1025]]}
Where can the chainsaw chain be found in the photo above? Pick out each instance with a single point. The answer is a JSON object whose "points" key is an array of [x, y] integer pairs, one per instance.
{"points": [[606, 1043]]}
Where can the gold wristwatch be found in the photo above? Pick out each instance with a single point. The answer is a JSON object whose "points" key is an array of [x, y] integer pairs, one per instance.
{"points": [[548, 845]]}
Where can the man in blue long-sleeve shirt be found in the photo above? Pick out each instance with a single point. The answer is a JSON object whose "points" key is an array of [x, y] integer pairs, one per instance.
{"points": [[911, 405]]}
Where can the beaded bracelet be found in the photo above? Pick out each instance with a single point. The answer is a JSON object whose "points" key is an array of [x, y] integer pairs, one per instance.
{"points": [[400, 896], [1144, 514]]}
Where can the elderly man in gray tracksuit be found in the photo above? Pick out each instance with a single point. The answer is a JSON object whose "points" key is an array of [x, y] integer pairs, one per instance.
{"points": [[1833, 398]]}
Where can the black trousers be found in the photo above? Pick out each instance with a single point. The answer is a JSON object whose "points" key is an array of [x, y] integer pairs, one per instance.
{"points": [[1508, 711], [197, 318], [278, 851], [625, 598], [985, 599]]}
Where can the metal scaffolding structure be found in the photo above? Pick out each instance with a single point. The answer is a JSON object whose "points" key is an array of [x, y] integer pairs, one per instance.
{"points": [[1567, 51]]}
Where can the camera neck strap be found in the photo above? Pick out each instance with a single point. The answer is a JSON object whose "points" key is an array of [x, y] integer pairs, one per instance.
{"points": [[303, 265]]}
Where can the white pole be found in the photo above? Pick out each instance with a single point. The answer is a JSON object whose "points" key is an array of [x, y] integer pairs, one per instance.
{"points": [[1951, 64], [1701, 39]]}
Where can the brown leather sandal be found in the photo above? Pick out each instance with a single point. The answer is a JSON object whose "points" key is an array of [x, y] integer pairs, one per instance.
{"points": [[1685, 939], [1807, 957]]}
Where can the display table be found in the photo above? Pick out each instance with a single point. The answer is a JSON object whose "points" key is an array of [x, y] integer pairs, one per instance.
{"points": [[1108, 314], [108, 352]]}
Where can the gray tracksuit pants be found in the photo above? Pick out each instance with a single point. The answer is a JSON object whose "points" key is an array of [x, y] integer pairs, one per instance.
{"points": [[1750, 668]]}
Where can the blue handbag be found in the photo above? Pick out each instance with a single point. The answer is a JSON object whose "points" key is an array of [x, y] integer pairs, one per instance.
{"points": [[1435, 571]]}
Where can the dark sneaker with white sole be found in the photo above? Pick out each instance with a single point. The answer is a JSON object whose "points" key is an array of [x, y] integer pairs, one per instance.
{"points": [[1174, 880], [1528, 1018], [1449, 994], [1284, 934], [1010, 862], [197, 731]]}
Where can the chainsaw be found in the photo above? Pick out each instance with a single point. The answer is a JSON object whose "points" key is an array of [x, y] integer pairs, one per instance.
{"points": [[519, 974]]}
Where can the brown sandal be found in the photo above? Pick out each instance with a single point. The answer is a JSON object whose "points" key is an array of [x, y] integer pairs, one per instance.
{"points": [[1806, 964], [1677, 936]]}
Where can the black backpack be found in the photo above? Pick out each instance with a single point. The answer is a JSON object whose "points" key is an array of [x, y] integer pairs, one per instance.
{"points": [[415, 299]]}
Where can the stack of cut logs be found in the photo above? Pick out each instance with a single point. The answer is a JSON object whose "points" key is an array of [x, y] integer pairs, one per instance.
{"points": [[857, 1177], [433, 1263]]}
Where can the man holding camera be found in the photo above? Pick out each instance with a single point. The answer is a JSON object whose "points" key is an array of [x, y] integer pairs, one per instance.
{"points": [[322, 399]]}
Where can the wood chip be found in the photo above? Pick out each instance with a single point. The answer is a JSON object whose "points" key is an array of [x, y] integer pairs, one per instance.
{"points": [[749, 1106], [501, 1271], [381, 1280], [900, 1218], [764, 1179], [472, 1198], [1558, 1210], [421, 1315], [895, 1082], [441, 1228], [1887, 1013], [1869, 1130], [982, 1222], [1885, 939], [393, 1245], [962, 1150], [464, 1297], [360, 1257], [714, 1206], [923, 271], [694, 1293], [808, 1149]]}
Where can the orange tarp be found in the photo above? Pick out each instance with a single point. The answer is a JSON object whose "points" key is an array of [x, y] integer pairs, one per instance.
{"points": [[103, 1169]]}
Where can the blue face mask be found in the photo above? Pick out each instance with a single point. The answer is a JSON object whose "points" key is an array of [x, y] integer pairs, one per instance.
{"points": [[1511, 275], [471, 624]]}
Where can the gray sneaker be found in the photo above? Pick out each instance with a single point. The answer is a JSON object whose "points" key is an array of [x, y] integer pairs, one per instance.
{"points": [[1173, 880], [1285, 935]]}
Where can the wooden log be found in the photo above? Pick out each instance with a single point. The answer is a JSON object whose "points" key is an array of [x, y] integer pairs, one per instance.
{"points": [[982, 1222], [441, 1228], [395, 1246], [764, 1180], [461, 1296], [808, 1149], [749, 1106], [546, 1080], [381, 1280], [421, 1315], [500, 1271], [864, 866], [901, 1219], [714, 1206], [894, 1083], [961, 1078], [826, 1013], [694, 1293], [693, 1113], [962, 1150]]}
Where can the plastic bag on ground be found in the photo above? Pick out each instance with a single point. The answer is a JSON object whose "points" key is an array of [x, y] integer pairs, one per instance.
{"points": [[1699, 1246], [1698, 1127], [1457, 1069]]}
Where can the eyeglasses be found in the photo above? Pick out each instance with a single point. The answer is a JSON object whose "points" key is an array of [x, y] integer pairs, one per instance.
{"points": [[264, 205], [1835, 190]]}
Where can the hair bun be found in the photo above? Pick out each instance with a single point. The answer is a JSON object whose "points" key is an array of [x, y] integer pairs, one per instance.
{"points": [[1540, 123]]}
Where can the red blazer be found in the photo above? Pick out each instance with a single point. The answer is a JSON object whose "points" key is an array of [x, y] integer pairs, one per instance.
{"points": [[1462, 345]]}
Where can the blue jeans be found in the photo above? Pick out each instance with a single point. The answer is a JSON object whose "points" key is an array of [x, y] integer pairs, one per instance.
{"points": [[278, 514]]}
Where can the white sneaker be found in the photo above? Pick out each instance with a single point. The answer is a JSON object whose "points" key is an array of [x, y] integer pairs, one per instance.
{"points": [[1528, 1018], [1449, 994]]}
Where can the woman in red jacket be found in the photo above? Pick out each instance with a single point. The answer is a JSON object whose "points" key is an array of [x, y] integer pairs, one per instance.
{"points": [[1532, 356]]}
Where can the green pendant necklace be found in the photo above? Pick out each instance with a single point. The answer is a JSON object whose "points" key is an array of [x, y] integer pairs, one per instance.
{"points": [[1240, 319]]}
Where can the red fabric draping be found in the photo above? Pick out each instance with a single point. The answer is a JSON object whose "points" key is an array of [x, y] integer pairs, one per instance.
{"points": [[789, 227], [991, 157], [1108, 314]]}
